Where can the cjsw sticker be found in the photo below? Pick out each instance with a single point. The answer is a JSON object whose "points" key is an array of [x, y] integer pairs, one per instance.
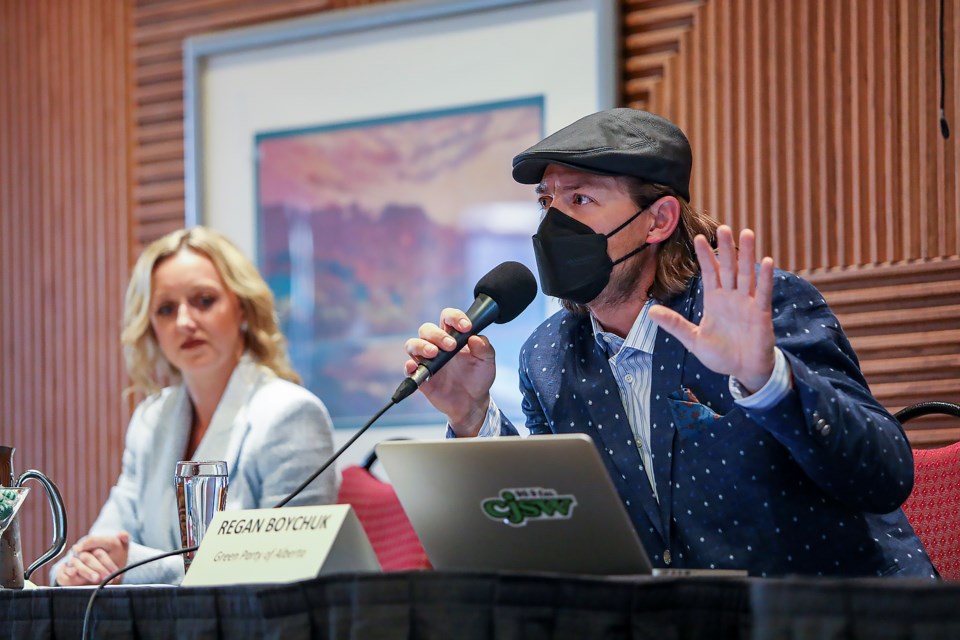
{"points": [[517, 507]]}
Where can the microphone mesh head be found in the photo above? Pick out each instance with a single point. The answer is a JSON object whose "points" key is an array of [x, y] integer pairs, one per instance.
{"points": [[512, 286]]}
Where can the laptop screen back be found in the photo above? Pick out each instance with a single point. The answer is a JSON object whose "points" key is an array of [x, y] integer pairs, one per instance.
{"points": [[541, 503]]}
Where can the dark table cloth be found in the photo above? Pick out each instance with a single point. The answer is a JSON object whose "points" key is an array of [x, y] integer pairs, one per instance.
{"points": [[504, 606]]}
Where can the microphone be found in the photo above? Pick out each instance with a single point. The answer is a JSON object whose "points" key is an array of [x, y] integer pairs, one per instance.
{"points": [[500, 296]]}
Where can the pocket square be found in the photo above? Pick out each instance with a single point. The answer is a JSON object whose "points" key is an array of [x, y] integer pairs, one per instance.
{"points": [[688, 412]]}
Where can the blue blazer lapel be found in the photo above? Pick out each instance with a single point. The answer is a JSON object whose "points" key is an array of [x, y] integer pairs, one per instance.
{"points": [[669, 360], [607, 421]]}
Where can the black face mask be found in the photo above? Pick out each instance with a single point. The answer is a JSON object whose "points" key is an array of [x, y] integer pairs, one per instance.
{"points": [[572, 258]]}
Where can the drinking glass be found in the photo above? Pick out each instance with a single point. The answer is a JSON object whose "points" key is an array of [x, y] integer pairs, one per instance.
{"points": [[201, 492]]}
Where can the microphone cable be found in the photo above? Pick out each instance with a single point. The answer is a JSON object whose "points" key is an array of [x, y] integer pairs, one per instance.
{"points": [[119, 572], [332, 459]]}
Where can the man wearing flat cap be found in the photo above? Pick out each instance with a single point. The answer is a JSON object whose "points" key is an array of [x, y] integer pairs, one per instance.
{"points": [[722, 395]]}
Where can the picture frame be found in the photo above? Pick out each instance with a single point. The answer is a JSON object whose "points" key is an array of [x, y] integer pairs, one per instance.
{"points": [[376, 62]]}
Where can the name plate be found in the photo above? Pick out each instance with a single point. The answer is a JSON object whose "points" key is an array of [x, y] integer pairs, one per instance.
{"points": [[281, 545]]}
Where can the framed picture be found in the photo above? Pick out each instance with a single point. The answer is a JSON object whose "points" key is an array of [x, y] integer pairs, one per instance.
{"points": [[367, 228], [363, 159]]}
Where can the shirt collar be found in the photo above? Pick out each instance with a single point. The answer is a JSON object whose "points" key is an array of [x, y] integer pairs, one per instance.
{"points": [[642, 336]]}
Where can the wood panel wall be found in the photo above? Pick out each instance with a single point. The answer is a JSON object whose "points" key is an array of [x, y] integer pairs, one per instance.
{"points": [[63, 250], [816, 123]]}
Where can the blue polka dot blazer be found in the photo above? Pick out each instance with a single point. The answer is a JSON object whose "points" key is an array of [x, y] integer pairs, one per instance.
{"points": [[811, 486]]}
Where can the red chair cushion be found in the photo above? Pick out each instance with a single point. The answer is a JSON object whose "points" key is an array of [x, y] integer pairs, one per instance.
{"points": [[383, 519], [933, 507]]}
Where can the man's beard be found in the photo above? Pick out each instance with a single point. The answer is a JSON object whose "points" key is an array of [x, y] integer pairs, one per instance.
{"points": [[621, 288], [623, 283]]}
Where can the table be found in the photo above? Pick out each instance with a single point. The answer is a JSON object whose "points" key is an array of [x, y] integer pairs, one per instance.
{"points": [[526, 606]]}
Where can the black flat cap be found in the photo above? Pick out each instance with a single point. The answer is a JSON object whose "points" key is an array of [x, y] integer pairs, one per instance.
{"points": [[617, 142]]}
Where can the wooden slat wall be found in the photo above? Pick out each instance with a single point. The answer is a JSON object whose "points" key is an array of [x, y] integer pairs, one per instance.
{"points": [[813, 121], [903, 320], [63, 250], [816, 123]]}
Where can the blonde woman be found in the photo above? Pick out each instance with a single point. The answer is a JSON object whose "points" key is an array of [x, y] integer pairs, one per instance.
{"points": [[201, 341]]}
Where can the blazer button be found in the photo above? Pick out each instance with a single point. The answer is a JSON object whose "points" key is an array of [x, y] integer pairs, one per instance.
{"points": [[667, 558], [823, 427]]}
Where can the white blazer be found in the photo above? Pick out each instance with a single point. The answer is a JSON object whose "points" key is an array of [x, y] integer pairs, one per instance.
{"points": [[272, 433]]}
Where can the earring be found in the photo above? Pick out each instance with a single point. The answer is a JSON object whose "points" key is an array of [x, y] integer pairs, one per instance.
{"points": [[244, 326]]}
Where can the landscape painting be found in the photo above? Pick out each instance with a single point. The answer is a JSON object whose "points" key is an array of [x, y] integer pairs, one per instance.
{"points": [[368, 229]]}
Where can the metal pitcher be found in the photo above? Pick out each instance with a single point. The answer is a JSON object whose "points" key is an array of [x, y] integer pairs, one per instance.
{"points": [[12, 574]]}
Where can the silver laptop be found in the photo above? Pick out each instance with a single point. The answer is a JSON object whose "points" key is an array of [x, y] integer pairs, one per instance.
{"points": [[541, 503]]}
